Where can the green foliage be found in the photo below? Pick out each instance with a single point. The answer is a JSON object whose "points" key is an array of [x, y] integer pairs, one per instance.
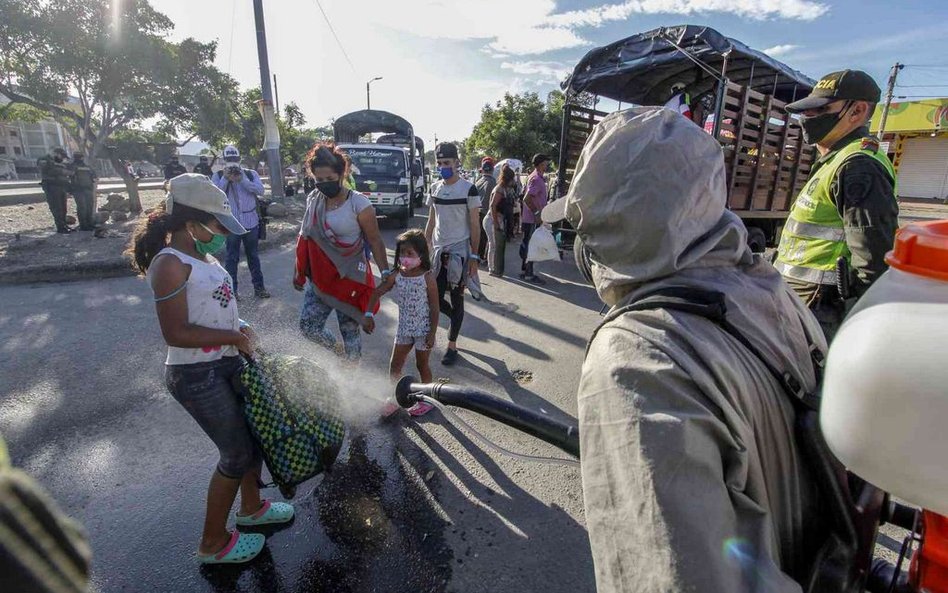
{"points": [[517, 126], [123, 70], [23, 113], [246, 130], [134, 144]]}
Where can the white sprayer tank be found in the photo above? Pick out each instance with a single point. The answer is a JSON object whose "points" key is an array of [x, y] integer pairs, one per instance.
{"points": [[885, 390]]}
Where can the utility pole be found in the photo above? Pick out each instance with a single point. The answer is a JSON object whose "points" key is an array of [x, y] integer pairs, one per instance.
{"points": [[368, 96], [273, 154], [276, 95], [890, 89]]}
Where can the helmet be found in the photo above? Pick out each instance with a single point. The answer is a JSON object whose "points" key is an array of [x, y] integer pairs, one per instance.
{"points": [[231, 154], [677, 88]]}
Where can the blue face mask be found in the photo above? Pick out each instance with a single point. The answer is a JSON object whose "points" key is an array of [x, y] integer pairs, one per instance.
{"points": [[447, 172]]}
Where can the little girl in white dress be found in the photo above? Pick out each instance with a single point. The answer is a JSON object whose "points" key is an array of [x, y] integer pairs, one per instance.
{"points": [[416, 294]]}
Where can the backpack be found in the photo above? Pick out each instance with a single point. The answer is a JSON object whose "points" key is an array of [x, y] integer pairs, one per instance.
{"points": [[293, 412], [843, 561]]}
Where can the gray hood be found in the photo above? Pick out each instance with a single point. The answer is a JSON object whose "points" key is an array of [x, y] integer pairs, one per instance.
{"points": [[649, 200]]}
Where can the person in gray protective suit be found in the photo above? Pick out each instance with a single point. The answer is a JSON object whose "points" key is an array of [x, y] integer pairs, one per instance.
{"points": [[692, 479]]}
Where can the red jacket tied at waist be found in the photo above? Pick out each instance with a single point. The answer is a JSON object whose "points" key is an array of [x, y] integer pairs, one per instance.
{"points": [[312, 263]]}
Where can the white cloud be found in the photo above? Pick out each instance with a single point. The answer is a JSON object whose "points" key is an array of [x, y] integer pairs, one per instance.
{"points": [[537, 40], [534, 27], [752, 9], [780, 50], [541, 72]]}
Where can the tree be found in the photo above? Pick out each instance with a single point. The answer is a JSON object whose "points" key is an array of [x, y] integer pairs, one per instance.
{"points": [[121, 70], [245, 130], [134, 144], [517, 126]]}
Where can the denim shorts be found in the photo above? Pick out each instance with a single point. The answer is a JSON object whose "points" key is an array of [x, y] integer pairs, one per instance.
{"points": [[205, 391]]}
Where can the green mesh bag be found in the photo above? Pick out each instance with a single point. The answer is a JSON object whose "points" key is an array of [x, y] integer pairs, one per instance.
{"points": [[293, 411]]}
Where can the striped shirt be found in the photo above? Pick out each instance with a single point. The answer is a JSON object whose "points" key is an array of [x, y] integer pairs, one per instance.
{"points": [[242, 196]]}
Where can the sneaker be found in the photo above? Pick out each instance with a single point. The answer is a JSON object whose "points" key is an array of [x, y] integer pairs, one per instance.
{"points": [[261, 293], [535, 280], [450, 357], [420, 409]]}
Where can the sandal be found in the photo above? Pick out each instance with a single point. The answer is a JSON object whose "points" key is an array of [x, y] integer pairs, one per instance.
{"points": [[242, 547], [270, 512]]}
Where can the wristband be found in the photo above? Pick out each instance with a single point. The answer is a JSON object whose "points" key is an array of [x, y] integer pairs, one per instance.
{"points": [[370, 314], [386, 273], [474, 257]]}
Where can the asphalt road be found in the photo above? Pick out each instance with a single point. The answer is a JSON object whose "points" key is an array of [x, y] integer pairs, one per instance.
{"points": [[411, 506]]}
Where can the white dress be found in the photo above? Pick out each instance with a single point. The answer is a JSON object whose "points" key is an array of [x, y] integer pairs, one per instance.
{"points": [[414, 316]]}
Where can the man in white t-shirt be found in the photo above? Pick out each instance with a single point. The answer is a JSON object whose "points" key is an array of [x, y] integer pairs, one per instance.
{"points": [[453, 233]]}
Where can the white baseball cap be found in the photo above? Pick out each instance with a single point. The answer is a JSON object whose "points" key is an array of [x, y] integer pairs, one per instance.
{"points": [[231, 154], [199, 192]]}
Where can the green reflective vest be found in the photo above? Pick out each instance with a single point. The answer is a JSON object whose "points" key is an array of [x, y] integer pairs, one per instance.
{"points": [[813, 237]]}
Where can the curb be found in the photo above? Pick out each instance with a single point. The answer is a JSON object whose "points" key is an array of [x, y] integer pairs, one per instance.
{"points": [[113, 267]]}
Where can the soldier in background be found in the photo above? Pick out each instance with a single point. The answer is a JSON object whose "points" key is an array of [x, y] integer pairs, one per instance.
{"points": [[173, 167], [55, 182], [82, 181], [203, 167]]}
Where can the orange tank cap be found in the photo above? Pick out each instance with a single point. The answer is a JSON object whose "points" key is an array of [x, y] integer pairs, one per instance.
{"points": [[921, 248]]}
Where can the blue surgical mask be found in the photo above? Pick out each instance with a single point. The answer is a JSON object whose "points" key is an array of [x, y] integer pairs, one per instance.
{"points": [[447, 172]]}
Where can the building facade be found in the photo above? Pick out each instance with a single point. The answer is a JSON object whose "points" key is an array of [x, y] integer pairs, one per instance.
{"points": [[916, 138]]}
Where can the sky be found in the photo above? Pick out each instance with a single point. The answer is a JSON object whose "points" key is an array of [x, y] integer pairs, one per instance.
{"points": [[441, 61]]}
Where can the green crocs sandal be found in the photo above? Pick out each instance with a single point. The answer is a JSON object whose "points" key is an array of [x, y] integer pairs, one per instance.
{"points": [[269, 513], [242, 547]]}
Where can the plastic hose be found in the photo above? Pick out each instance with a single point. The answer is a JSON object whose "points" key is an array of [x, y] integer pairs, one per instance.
{"points": [[450, 415]]}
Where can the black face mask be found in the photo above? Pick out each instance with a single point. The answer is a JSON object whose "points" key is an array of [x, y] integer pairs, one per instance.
{"points": [[330, 189], [817, 127]]}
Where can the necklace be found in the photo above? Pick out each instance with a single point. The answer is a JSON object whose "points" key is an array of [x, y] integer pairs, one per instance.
{"points": [[333, 205]]}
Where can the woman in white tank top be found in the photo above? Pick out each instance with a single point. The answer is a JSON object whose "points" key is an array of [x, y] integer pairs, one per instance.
{"points": [[197, 313]]}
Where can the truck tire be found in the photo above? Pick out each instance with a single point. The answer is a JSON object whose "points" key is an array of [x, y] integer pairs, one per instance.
{"points": [[756, 239]]}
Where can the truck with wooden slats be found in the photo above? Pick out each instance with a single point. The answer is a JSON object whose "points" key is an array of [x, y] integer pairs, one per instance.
{"points": [[736, 93]]}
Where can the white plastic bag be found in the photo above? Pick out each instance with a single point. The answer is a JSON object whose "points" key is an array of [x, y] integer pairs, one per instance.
{"points": [[542, 245]]}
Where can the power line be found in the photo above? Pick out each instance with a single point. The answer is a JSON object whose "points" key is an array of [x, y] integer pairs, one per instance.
{"points": [[922, 86], [336, 37], [230, 49]]}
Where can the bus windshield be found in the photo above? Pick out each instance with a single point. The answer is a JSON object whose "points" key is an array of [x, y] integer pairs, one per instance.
{"points": [[375, 163]]}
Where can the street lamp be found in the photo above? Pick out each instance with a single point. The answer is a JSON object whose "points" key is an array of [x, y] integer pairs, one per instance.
{"points": [[368, 99]]}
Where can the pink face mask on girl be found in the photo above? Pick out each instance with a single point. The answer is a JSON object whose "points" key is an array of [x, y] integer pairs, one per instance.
{"points": [[409, 263]]}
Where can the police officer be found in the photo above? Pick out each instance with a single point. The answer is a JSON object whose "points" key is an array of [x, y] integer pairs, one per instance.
{"points": [[173, 167], [55, 183], [82, 180], [203, 167], [844, 220]]}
